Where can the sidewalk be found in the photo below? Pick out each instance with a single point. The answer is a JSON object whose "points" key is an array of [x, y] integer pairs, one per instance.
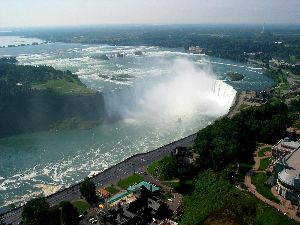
{"points": [[286, 209]]}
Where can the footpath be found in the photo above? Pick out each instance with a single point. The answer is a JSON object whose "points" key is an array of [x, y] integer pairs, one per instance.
{"points": [[285, 206]]}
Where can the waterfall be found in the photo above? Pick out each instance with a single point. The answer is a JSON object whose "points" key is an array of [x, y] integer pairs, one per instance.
{"points": [[224, 92]]}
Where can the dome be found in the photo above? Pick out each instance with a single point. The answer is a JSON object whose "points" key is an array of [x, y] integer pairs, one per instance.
{"points": [[286, 178]]}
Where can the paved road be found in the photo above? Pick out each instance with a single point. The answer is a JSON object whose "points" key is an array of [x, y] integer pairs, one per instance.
{"points": [[109, 176]]}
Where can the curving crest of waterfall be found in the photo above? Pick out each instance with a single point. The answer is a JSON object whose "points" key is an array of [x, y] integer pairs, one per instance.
{"points": [[224, 92]]}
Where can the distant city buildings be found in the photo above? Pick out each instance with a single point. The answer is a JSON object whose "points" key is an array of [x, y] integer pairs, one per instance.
{"points": [[195, 49]]}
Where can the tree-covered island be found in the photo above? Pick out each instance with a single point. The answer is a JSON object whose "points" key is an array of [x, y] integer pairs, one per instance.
{"points": [[235, 76]]}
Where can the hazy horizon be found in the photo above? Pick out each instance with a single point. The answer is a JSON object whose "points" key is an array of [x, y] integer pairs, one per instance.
{"points": [[32, 13]]}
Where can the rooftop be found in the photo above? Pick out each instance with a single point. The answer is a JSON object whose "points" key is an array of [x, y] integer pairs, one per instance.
{"points": [[287, 144], [293, 161], [149, 186], [130, 189]]}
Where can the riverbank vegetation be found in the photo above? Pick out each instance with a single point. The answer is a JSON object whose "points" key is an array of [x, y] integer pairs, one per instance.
{"points": [[164, 169], [215, 199], [217, 147], [38, 212]]}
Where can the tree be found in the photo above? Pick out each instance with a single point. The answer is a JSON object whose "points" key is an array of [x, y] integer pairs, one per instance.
{"points": [[36, 212], [69, 214], [88, 190], [168, 168], [54, 216]]}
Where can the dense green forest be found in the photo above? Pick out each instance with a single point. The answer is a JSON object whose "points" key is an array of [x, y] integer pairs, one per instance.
{"points": [[220, 146], [42, 98], [231, 140]]}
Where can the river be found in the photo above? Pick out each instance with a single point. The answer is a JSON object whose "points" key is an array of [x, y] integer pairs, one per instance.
{"points": [[161, 96]]}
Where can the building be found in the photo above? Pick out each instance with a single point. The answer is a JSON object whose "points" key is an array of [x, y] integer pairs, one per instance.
{"points": [[284, 147], [184, 159], [195, 49], [131, 189], [287, 174], [139, 212]]}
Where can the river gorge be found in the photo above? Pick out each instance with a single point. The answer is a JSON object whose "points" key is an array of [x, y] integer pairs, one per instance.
{"points": [[156, 95]]}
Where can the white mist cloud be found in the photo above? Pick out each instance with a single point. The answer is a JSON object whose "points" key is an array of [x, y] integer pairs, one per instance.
{"points": [[183, 92]]}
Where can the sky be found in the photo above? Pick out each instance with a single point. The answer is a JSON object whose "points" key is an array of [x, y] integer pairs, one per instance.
{"points": [[26, 13]]}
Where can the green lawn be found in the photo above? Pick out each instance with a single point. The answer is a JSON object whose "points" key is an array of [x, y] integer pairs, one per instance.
{"points": [[112, 190], [258, 180], [262, 152], [125, 183], [152, 168], [172, 184], [64, 86], [81, 205], [264, 163]]}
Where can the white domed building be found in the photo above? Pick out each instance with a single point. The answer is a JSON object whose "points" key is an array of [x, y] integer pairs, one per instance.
{"points": [[288, 176]]}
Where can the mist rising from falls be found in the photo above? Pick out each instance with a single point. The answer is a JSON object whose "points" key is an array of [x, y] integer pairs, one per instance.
{"points": [[181, 91]]}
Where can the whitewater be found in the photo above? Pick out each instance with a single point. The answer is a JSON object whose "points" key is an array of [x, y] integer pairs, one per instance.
{"points": [[160, 96]]}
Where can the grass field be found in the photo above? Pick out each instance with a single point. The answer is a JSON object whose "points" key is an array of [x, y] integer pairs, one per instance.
{"points": [[64, 86], [172, 184], [125, 183], [81, 205], [264, 163], [262, 152], [112, 190], [258, 180]]}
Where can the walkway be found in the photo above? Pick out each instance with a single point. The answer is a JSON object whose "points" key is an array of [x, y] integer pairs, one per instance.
{"points": [[285, 208]]}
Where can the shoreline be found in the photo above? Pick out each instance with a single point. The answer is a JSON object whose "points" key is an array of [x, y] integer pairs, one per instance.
{"points": [[120, 170], [234, 103]]}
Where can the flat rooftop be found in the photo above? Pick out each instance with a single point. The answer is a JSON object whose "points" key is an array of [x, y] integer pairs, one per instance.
{"points": [[293, 161], [288, 145]]}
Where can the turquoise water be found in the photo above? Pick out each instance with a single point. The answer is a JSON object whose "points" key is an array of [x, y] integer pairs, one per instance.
{"points": [[163, 95]]}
